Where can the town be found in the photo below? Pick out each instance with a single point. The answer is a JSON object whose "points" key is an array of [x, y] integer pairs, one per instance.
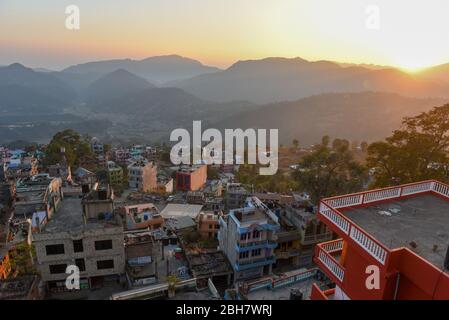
{"points": [[136, 226]]}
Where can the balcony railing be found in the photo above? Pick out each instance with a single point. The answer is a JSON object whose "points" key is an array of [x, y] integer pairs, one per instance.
{"points": [[329, 211], [254, 263], [316, 238], [246, 246], [325, 259]]}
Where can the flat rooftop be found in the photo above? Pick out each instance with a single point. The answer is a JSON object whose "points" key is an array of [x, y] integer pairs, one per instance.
{"points": [[69, 218], [422, 220]]}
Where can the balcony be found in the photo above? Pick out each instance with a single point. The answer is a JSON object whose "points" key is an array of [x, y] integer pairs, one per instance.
{"points": [[254, 263], [318, 294], [327, 256], [317, 238], [288, 253], [247, 246]]}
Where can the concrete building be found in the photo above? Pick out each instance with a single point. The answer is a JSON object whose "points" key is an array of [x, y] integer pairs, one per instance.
{"points": [[142, 252], [300, 232], [142, 176], [115, 173], [96, 146], [247, 237], [401, 232], [143, 216], [85, 233], [207, 224], [191, 178], [235, 196]]}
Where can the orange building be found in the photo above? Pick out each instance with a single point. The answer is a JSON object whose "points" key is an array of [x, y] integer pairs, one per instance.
{"points": [[393, 244], [191, 178], [207, 224]]}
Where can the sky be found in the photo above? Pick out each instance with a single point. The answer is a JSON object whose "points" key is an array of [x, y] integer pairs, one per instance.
{"points": [[407, 34]]}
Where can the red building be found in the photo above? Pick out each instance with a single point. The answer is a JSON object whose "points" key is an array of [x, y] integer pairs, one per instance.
{"points": [[191, 178], [398, 236]]}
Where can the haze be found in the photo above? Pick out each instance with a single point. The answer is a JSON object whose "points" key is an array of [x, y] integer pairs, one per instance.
{"points": [[411, 34]]}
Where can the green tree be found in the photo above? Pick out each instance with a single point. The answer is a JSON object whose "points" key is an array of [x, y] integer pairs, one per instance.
{"points": [[330, 171], [75, 148], [417, 151]]}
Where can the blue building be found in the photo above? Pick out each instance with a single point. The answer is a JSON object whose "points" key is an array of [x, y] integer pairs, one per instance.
{"points": [[247, 237]]}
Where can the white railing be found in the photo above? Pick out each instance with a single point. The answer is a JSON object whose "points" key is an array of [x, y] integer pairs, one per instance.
{"points": [[417, 188], [379, 195], [441, 189], [331, 265], [335, 217], [347, 201], [371, 246], [328, 208], [332, 245]]}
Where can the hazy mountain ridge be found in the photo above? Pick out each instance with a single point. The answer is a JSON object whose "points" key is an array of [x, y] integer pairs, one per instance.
{"points": [[366, 116], [114, 85], [281, 79], [157, 69]]}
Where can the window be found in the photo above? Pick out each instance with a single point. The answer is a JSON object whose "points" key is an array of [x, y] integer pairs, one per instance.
{"points": [[80, 264], [78, 245], [243, 255], [217, 226], [103, 245], [289, 244], [57, 268], [256, 234], [255, 252], [244, 236], [54, 249], [211, 226], [105, 264]]}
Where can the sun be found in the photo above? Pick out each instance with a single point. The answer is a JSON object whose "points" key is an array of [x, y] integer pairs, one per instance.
{"points": [[413, 66]]}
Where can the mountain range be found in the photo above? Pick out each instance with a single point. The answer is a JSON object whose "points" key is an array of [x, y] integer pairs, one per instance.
{"points": [[146, 99]]}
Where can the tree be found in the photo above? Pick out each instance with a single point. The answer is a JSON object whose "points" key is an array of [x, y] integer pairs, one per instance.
{"points": [[75, 148], [295, 143], [330, 171], [417, 151]]}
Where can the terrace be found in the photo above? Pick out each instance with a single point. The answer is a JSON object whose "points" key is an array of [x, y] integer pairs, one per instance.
{"points": [[378, 221]]}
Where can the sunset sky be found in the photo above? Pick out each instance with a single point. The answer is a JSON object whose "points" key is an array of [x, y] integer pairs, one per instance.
{"points": [[412, 34]]}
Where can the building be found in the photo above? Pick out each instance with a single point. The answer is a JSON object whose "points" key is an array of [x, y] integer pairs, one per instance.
{"points": [[96, 146], [213, 188], [207, 224], [143, 216], [191, 178], [21, 167], [398, 236], [195, 197], [142, 252], [85, 233], [247, 237], [235, 196], [142, 176], [115, 174], [181, 218], [121, 156], [300, 232], [164, 184], [38, 196]]}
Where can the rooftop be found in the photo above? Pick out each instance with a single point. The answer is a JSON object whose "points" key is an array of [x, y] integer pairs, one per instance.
{"points": [[69, 218], [420, 223], [173, 210]]}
